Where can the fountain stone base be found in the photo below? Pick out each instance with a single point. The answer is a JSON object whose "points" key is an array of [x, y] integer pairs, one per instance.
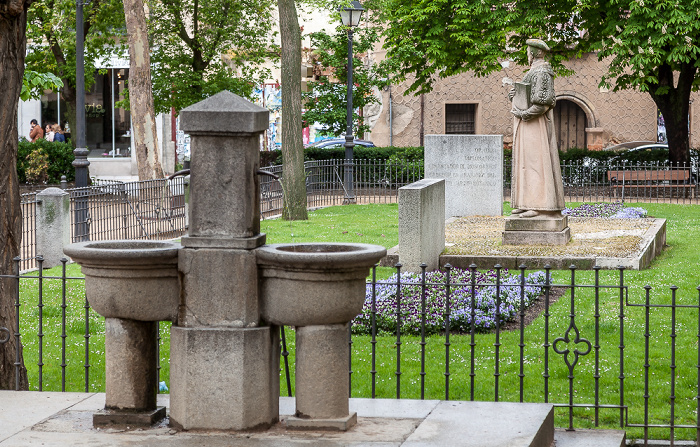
{"points": [[319, 289]]}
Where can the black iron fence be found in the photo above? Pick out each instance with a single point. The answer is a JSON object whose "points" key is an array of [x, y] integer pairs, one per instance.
{"points": [[378, 181], [28, 204], [603, 354], [153, 209], [156, 209], [374, 181], [601, 181]]}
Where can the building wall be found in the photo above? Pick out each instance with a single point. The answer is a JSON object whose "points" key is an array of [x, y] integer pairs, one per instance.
{"points": [[613, 117]]}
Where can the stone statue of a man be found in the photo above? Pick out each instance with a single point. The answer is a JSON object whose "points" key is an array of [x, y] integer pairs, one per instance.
{"points": [[537, 188]]}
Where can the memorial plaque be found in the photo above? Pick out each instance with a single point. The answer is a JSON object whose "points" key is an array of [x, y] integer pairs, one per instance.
{"points": [[472, 166]]}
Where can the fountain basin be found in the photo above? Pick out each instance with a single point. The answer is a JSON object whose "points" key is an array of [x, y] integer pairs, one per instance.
{"points": [[314, 283], [133, 280]]}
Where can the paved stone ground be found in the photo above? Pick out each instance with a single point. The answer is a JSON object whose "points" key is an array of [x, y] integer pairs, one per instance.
{"points": [[65, 419]]}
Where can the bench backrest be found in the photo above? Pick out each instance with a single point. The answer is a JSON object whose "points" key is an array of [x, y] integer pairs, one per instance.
{"points": [[673, 175]]}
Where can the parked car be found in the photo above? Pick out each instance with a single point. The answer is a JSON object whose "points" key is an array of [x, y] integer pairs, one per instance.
{"points": [[628, 145], [337, 143], [659, 153]]}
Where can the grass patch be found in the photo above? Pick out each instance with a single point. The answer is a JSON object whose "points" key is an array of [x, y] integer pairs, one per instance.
{"points": [[378, 224]]}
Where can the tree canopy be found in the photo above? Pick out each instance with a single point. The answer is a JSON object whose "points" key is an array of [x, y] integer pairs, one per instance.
{"points": [[51, 40], [649, 45], [326, 100], [200, 48]]}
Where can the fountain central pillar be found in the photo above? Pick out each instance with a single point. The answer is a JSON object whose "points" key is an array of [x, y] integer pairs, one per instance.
{"points": [[224, 363]]}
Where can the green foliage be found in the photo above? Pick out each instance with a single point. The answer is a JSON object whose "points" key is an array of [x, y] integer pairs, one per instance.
{"points": [[642, 38], [34, 84], [271, 158], [650, 45], [429, 40], [326, 100], [201, 48], [362, 153], [51, 37], [37, 167], [59, 157]]}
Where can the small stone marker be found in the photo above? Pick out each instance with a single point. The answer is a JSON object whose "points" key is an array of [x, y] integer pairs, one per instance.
{"points": [[472, 166], [421, 224]]}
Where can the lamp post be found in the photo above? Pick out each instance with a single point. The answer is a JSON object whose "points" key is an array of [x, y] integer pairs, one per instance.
{"points": [[81, 162], [350, 17]]}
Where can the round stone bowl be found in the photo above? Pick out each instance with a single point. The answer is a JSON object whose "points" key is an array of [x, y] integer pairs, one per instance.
{"points": [[314, 283], [133, 280]]}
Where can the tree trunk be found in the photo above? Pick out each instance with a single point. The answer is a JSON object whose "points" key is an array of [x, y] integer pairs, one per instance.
{"points": [[293, 177], [13, 27], [140, 92], [674, 105]]}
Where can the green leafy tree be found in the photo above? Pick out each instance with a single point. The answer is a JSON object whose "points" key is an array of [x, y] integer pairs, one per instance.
{"points": [[200, 48], [326, 100], [654, 47], [34, 84], [652, 44], [51, 37]]}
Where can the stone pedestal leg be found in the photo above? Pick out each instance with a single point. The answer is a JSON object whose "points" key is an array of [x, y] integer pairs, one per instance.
{"points": [[224, 378], [322, 392], [131, 374]]}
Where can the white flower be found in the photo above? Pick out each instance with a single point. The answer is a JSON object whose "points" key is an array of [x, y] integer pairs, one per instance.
{"points": [[663, 29], [617, 27]]}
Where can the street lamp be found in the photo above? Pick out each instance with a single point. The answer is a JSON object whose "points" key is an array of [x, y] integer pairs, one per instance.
{"points": [[81, 162], [350, 17]]}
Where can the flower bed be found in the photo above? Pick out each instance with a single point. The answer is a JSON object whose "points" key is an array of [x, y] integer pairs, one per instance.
{"points": [[612, 210], [435, 301]]}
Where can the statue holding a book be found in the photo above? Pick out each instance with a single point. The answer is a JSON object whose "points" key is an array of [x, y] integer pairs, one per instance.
{"points": [[537, 188]]}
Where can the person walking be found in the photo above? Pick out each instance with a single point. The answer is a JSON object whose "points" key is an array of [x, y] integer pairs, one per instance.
{"points": [[37, 132]]}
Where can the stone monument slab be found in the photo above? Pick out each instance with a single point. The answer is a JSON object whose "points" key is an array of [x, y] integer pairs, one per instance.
{"points": [[421, 224], [472, 166]]}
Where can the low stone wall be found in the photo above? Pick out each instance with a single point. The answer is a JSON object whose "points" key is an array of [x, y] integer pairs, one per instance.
{"points": [[421, 224]]}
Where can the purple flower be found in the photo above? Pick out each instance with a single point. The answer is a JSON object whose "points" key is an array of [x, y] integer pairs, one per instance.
{"points": [[473, 299]]}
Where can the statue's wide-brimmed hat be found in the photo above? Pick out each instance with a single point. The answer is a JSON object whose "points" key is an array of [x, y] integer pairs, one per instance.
{"points": [[537, 43]]}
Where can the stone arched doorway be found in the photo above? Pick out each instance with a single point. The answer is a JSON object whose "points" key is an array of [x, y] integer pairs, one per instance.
{"points": [[570, 123]]}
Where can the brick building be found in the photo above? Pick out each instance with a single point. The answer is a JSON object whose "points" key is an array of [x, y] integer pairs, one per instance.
{"points": [[585, 115]]}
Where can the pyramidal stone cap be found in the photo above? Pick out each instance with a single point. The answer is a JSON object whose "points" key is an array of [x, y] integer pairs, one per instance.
{"points": [[224, 113]]}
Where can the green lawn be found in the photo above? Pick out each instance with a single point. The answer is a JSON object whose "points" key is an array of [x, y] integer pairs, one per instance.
{"points": [[378, 224]]}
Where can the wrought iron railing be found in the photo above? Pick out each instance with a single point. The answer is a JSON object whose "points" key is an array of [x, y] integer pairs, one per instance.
{"points": [[601, 353], [28, 204], [374, 181], [156, 209], [153, 209]]}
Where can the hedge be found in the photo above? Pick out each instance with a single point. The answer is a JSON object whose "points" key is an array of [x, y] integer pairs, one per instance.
{"points": [[271, 158], [60, 157], [274, 157]]}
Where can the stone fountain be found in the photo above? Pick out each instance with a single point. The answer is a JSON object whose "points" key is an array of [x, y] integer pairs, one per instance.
{"points": [[226, 292], [134, 285]]}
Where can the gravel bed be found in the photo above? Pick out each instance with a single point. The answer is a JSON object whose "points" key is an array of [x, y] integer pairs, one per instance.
{"points": [[481, 235]]}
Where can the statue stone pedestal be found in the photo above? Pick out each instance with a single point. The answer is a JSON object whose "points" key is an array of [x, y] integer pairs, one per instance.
{"points": [[539, 230]]}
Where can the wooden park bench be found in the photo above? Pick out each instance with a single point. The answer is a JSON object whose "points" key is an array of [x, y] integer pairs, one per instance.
{"points": [[667, 179]]}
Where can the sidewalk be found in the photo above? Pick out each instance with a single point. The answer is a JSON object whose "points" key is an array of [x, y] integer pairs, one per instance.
{"points": [[31, 418]]}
